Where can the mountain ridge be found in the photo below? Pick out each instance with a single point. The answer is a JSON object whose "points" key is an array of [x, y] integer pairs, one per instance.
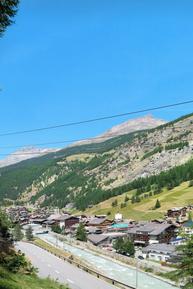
{"points": [[126, 127], [88, 174], [24, 154]]}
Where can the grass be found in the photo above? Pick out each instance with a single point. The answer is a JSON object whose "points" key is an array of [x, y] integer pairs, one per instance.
{"points": [[58, 252], [51, 248], [21, 281], [80, 157], [179, 196]]}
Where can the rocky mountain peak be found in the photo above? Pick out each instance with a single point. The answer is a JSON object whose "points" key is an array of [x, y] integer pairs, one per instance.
{"points": [[131, 125], [24, 154]]}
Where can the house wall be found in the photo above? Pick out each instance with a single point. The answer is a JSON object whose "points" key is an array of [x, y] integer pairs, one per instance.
{"points": [[178, 213], [69, 222], [156, 256]]}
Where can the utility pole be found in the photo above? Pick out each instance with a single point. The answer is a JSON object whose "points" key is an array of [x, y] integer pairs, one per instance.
{"points": [[136, 283], [137, 271], [56, 241]]}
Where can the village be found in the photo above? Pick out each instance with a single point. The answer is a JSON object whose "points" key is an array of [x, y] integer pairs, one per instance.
{"points": [[154, 240]]}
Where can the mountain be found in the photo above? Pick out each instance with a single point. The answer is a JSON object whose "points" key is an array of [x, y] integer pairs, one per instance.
{"points": [[146, 122], [142, 123], [143, 162], [24, 154]]}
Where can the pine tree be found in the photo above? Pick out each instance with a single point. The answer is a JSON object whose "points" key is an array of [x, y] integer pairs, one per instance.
{"points": [[157, 204], [17, 233], [190, 183], [29, 234], [114, 203], [137, 199], [133, 200], [124, 246], [81, 233], [6, 241], [8, 10], [185, 267]]}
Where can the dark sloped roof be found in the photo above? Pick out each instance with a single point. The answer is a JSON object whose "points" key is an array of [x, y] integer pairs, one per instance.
{"points": [[66, 217], [96, 221], [150, 228], [96, 239], [160, 248]]}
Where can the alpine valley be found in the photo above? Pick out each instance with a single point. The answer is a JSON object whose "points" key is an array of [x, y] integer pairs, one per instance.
{"points": [[126, 169]]}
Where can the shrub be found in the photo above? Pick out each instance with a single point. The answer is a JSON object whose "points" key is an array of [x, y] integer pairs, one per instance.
{"points": [[29, 233], [56, 229], [7, 284], [190, 183], [124, 246], [81, 233], [15, 262], [114, 203], [123, 205]]}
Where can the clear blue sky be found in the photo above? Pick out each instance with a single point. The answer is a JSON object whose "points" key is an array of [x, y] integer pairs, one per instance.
{"points": [[69, 60]]}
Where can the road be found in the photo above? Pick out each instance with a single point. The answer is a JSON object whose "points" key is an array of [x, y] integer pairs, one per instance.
{"points": [[55, 268], [110, 267]]}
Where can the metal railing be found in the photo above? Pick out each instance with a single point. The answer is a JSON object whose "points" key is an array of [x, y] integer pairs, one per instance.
{"points": [[87, 269]]}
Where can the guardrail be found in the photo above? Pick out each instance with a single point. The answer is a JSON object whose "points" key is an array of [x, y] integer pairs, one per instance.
{"points": [[87, 269]]}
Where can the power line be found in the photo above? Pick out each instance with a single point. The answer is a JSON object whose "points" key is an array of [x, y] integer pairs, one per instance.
{"points": [[113, 135], [95, 119], [46, 153], [87, 139], [57, 150]]}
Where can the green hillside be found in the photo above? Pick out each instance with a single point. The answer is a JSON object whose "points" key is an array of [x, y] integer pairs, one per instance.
{"points": [[21, 281], [15, 178], [144, 210]]}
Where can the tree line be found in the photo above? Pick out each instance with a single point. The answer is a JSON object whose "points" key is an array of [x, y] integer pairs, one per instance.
{"points": [[169, 179]]}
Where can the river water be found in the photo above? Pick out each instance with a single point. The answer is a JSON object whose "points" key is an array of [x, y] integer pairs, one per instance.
{"points": [[111, 269]]}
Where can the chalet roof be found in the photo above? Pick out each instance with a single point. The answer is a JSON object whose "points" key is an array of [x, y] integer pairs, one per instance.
{"points": [[96, 239], [150, 228], [39, 220], [53, 217], [113, 235], [66, 217], [176, 209], [96, 221], [58, 217], [160, 248], [49, 222], [92, 229]]}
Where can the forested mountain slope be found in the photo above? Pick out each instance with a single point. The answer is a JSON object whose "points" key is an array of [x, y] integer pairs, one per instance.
{"points": [[87, 174]]}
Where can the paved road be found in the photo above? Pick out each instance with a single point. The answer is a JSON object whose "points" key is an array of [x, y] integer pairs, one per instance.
{"points": [[50, 265]]}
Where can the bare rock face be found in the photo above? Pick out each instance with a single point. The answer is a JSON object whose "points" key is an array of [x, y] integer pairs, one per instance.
{"points": [[137, 124], [24, 154], [142, 123]]}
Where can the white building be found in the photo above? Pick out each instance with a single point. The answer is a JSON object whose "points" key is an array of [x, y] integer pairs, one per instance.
{"points": [[118, 217], [159, 252]]}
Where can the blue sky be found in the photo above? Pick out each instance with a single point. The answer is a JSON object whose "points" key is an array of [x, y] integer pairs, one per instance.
{"points": [[69, 60]]}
